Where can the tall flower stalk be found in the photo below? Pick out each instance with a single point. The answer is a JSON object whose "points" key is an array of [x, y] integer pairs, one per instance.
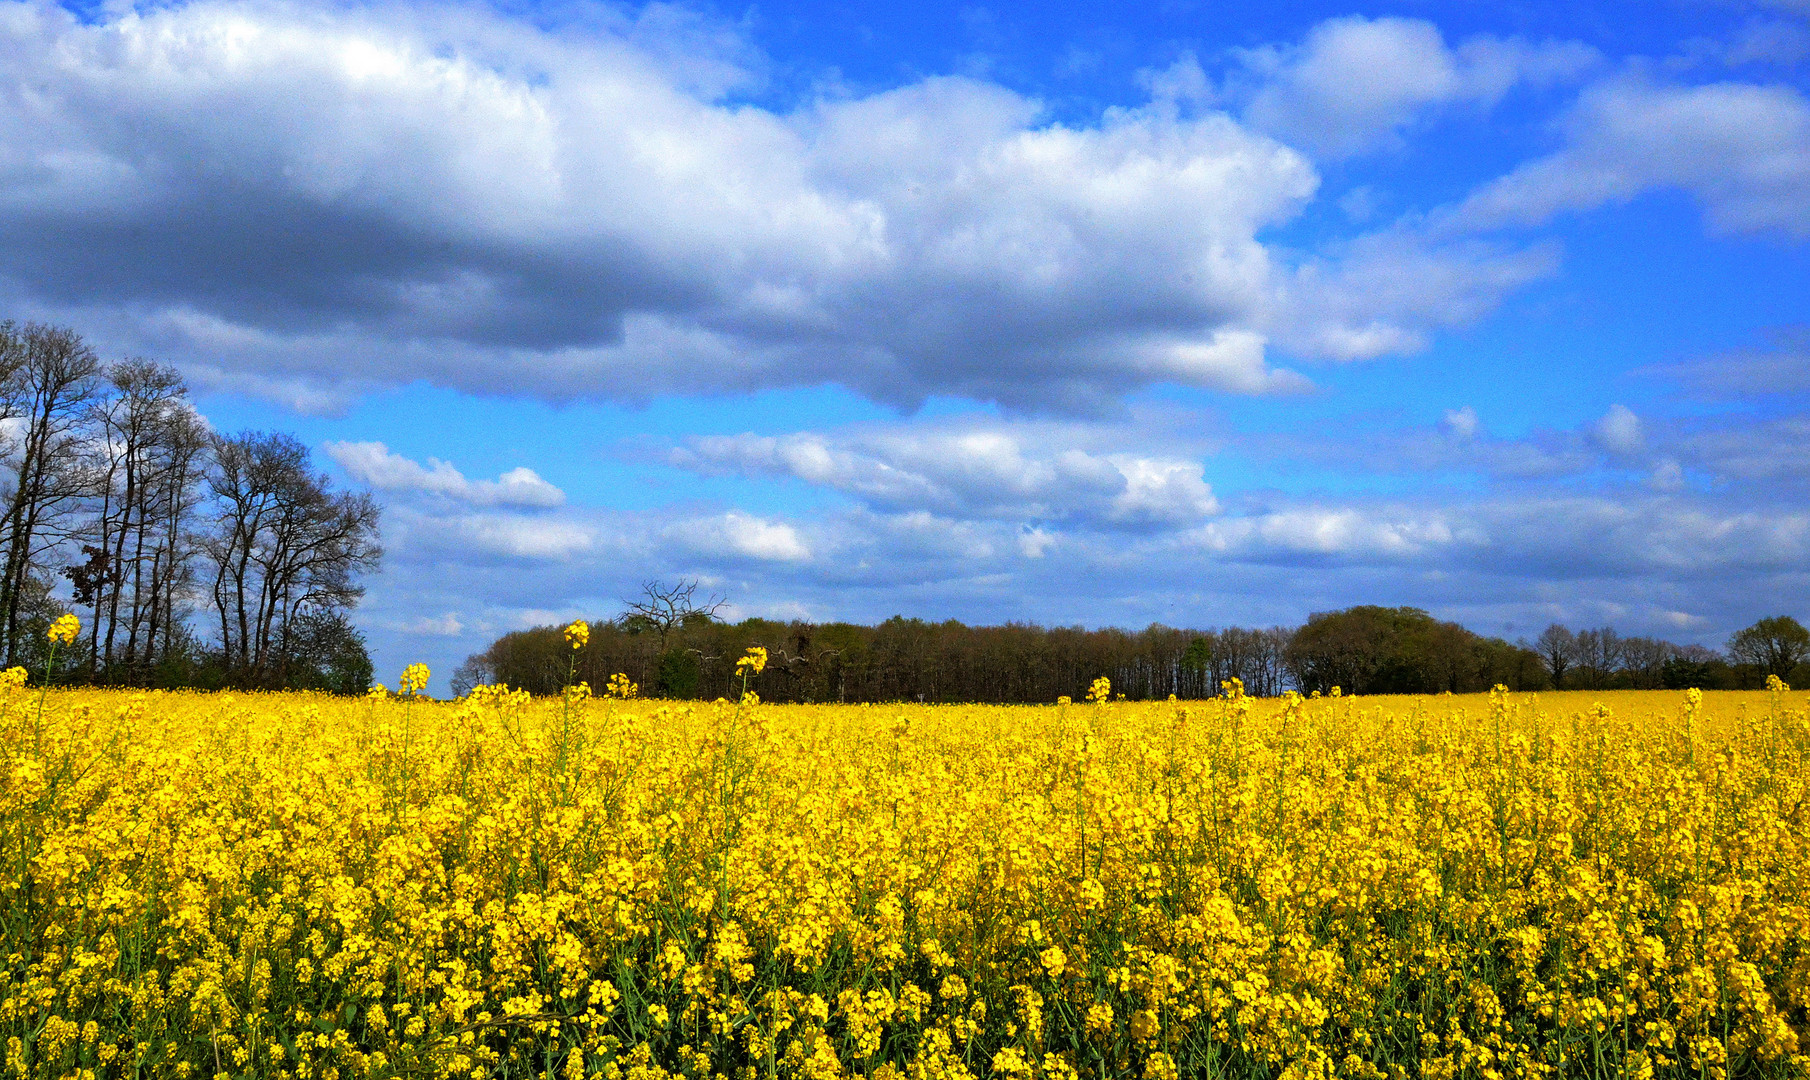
{"points": [[414, 680], [62, 632]]}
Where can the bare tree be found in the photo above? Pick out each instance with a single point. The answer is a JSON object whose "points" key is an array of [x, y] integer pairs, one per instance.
{"points": [[662, 609], [1557, 647], [183, 459], [285, 546], [1644, 660], [475, 671], [147, 449], [1598, 656], [48, 376]]}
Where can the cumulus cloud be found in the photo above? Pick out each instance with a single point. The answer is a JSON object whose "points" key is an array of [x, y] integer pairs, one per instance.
{"points": [[1462, 424], [1388, 291], [1756, 460], [1033, 542], [1742, 150], [353, 195], [1520, 540], [1354, 84], [1668, 475], [975, 472], [1530, 538], [524, 538], [1765, 41], [306, 204], [1335, 532], [446, 626], [1657, 536], [1619, 431], [372, 463], [739, 535]]}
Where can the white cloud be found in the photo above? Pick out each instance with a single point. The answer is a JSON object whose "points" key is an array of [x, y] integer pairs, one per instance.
{"points": [[303, 199], [1183, 81], [737, 534], [1388, 291], [535, 538], [1742, 150], [372, 463], [305, 396], [1668, 475], [1012, 472], [1525, 538], [1360, 203], [1619, 431], [1354, 84], [1765, 41], [1033, 542], [447, 625], [1462, 424], [1344, 532], [1659, 535], [1161, 491], [1772, 456]]}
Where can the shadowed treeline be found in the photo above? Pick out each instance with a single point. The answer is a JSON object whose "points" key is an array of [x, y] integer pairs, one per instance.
{"points": [[1366, 650], [898, 660], [913, 660]]}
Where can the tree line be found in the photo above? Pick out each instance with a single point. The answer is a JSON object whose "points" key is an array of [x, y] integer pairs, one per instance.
{"points": [[899, 660], [674, 647], [1601, 659], [196, 558]]}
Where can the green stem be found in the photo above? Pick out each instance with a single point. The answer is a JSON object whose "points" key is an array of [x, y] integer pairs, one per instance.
{"points": [[50, 668]]}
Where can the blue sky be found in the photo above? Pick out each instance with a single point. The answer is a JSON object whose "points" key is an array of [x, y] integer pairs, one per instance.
{"points": [[1096, 314]]}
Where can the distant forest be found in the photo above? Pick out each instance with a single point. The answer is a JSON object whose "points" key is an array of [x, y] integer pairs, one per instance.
{"points": [[682, 651]]}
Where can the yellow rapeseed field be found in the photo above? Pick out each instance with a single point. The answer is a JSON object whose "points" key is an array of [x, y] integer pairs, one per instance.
{"points": [[1504, 885]]}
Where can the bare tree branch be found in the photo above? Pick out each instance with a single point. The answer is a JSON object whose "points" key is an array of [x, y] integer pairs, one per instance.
{"points": [[663, 608]]}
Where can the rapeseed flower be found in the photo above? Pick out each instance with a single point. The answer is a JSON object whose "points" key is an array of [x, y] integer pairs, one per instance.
{"points": [[64, 629], [414, 678], [296, 885]]}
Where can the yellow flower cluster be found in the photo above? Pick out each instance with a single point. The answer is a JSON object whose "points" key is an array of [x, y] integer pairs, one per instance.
{"points": [[1100, 690], [754, 662], [64, 630], [300, 886], [414, 678], [578, 633], [621, 687]]}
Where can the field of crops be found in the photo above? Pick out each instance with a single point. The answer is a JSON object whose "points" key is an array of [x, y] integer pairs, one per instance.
{"points": [[290, 885]]}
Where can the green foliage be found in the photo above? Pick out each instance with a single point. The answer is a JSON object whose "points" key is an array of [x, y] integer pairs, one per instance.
{"points": [[678, 674], [1379, 650], [328, 653], [1775, 645]]}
